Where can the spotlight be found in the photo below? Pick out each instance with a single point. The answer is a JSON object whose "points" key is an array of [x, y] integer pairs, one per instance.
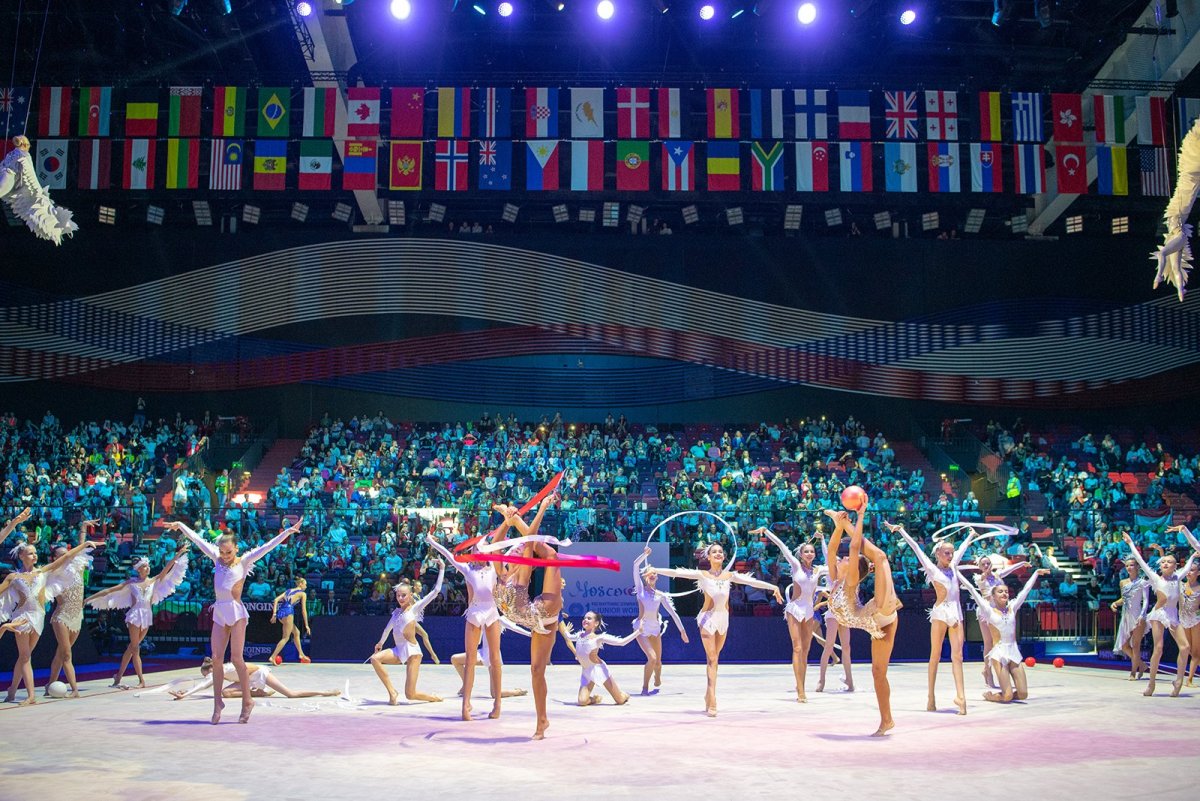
{"points": [[611, 215], [883, 220], [974, 221], [341, 212], [807, 13], [505, 9], [691, 215], [251, 214], [108, 215], [437, 212], [203, 212], [1120, 225], [155, 215], [559, 6], [304, 8], [833, 217], [401, 9], [396, 212], [509, 215], [908, 16], [707, 11], [930, 221], [299, 212], [561, 215], [791, 217], [605, 9], [734, 216], [1075, 224], [587, 215]]}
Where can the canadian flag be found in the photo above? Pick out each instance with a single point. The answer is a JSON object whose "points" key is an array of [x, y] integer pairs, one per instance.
{"points": [[362, 112]]}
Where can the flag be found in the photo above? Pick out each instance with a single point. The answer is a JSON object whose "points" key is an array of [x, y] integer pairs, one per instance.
{"points": [[678, 166], [450, 165], [1029, 167], [495, 164], [989, 116], [183, 162], [900, 162], [670, 114], [50, 163], [1109, 114], [1112, 170], [14, 110], [1071, 169], [724, 167], [320, 112], [225, 164], [1189, 111], [945, 171], [316, 164], [811, 111], [95, 109], [183, 114], [812, 166], [408, 111], [766, 113], [495, 118], [854, 115], [587, 113], [360, 167], [1066, 111], [766, 166], [54, 111], [270, 165], [855, 173], [362, 112], [1153, 165], [139, 164], [986, 172], [587, 166], [1152, 120], [941, 115], [541, 164], [274, 111], [1027, 116], [95, 164], [900, 113], [633, 166], [541, 113], [633, 112], [406, 157], [229, 111], [724, 121], [141, 112], [453, 111]]}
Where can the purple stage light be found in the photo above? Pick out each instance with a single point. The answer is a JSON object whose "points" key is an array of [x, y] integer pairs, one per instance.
{"points": [[707, 12], [605, 9], [807, 13], [401, 9], [908, 16]]}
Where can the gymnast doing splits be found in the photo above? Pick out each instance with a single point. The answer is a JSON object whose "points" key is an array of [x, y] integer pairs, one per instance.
{"points": [[262, 684]]}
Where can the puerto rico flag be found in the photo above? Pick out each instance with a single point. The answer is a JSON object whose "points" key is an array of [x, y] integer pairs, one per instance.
{"points": [[679, 166]]}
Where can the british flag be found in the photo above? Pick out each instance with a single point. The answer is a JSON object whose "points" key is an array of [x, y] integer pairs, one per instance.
{"points": [[487, 152], [900, 111]]}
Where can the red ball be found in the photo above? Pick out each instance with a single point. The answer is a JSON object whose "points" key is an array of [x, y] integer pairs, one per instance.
{"points": [[1059, 661], [1030, 661], [854, 497]]}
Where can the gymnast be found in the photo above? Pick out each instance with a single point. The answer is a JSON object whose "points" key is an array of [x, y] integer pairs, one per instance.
{"points": [[1000, 615], [402, 627], [799, 613], [587, 652], [1165, 615], [67, 620], [1134, 603], [283, 611], [649, 623], [262, 683], [992, 570]]}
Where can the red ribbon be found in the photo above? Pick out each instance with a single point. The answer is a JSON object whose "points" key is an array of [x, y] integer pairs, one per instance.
{"points": [[602, 562], [529, 504]]}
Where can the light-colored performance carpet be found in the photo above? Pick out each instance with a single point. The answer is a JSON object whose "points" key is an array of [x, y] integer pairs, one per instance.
{"points": [[1083, 733]]}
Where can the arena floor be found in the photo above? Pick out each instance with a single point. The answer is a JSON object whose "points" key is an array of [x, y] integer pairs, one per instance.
{"points": [[1084, 731]]}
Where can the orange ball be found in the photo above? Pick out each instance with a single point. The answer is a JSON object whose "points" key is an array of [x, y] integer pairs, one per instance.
{"points": [[1059, 661], [1030, 661], [854, 497]]}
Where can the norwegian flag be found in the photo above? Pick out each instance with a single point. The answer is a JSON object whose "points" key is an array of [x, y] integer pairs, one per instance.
{"points": [[941, 115], [450, 171], [633, 113], [900, 112]]}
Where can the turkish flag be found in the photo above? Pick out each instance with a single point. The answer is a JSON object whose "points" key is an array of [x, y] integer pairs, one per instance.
{"points": [[1071, 169]]}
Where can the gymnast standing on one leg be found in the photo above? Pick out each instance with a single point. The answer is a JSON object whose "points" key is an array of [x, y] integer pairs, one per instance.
{"points": [[649, 624]]}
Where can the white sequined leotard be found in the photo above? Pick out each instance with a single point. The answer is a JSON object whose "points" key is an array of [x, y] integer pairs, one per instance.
{"points": [[228, 609]]}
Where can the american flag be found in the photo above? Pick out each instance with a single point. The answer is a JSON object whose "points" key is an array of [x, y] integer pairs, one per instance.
{"points": [[900, 111], [1156, 178], [487, 152], [225, 164]]}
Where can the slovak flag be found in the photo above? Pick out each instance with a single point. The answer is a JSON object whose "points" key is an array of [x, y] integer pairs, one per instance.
{"points": [[986, 175], [679, 166], [945, 171], [856, 166]]}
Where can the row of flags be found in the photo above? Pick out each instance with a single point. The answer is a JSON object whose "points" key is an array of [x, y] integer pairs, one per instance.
{"points": [[459, 165], [596, 113]]}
